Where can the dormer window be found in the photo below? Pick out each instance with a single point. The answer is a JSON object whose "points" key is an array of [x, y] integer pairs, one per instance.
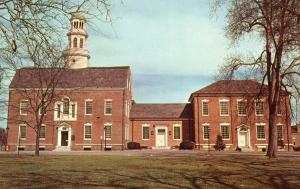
{"points": [[75, 42]]}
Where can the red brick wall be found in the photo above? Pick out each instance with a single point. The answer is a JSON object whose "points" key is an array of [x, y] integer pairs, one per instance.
{"points": [[97, 119], [136, 131], [215, 119]]}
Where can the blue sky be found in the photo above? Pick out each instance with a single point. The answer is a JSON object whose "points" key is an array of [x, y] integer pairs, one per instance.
{"points": [[172, 46]]}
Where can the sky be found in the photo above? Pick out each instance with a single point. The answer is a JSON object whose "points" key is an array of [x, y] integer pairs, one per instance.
{"points": [[173, 47]]}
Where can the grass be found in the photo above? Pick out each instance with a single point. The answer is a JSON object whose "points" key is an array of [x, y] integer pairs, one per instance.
{"points": [[148, 172]]}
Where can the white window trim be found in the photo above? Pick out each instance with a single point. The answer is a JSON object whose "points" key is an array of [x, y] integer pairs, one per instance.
{"points": [[65, 117], [228, 125], [220, 108], [22, 125], [87, 124], [260, 124], [263, 101], [105, 100], [237, 107], [205, 124], [43, 125], [87, 100], [40, 111], [145, 125], [107, 124], [202, 101], [224, 100], [27, 107], [180, 126], [280, 124]]}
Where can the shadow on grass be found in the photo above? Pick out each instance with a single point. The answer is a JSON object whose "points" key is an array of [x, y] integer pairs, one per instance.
{"points": [[171, 173]]}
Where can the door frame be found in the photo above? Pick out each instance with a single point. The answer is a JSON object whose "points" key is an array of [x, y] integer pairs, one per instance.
{"points": [[247, 135], [62, 128], [166, 134]]}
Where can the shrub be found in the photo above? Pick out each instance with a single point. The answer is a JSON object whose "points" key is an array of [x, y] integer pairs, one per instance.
{"points": [[238, 149], [296, 148], [219, 143], [187, 145], [133, 145]]}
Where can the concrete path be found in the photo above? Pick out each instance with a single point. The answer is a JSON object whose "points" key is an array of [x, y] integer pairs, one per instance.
{"points": [[156, 153]]}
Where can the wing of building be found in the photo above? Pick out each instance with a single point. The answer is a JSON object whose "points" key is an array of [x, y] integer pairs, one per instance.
{"points": [[91, 108]]}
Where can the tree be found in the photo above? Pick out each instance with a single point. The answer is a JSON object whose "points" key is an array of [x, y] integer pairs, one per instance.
{"points": [[277, 24], [219, 143], [47, 73]]}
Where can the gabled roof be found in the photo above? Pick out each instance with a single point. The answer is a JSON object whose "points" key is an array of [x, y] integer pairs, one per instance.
{"points": [[100, 77], [167, 111], [231, 87]]}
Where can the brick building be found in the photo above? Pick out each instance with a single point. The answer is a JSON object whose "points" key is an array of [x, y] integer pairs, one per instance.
{"points": [[93, 109]]}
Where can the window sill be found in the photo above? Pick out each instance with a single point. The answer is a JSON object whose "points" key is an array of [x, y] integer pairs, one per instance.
{"points": [[89, 139], [177, 139], [146, 139], [224, 115], [107, 114], [259, 115], [242, 115], [261, 139], [88, 114], [205, 115], [42, 138]]}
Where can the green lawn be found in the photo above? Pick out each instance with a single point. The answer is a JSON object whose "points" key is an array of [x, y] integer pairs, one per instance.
{"points": [[148, 172]]}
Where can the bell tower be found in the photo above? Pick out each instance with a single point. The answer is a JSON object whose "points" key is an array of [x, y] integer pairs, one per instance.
{"points": [[76, 54]]}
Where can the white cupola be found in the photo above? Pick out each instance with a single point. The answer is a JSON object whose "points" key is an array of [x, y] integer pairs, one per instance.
{"points": [[76, 54]]}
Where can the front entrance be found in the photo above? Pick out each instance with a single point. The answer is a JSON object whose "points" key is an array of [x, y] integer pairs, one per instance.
{"points": [[64, 138], [161, 136], [64, 133], [243, 137]]}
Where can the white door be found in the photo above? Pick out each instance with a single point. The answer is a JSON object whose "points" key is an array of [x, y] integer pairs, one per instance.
{"points": [[161, 137], [242, 140]]}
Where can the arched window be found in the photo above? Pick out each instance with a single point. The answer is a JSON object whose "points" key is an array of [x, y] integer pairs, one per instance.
{"points": [[75, 42], [66, 104], [76, 24], [81, 42]]}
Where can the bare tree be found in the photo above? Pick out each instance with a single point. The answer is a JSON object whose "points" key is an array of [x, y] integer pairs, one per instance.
{"points": [[277, 24], [46, 76]]}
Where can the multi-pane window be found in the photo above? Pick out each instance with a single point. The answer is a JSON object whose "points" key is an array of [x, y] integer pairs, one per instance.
{"points": [[145, 132], [66, 104], [177, 132], [73, 110], [87, 131], [242, 108], [108, 107], [22, 134], [58, 111], [224, 108], [259, 108], [279, 132], [88, 107], [205, 132], [225, 131], [107, 132], [24, 107], [205, 108], [42, 109], [43, 132], [260, 132]]}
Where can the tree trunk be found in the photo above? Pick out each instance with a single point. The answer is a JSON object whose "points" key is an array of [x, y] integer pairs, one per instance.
{"points": [[272, 144], [37, 143]]}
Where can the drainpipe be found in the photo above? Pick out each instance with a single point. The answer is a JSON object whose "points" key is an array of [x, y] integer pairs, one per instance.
{"points": [[287, 123]]}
